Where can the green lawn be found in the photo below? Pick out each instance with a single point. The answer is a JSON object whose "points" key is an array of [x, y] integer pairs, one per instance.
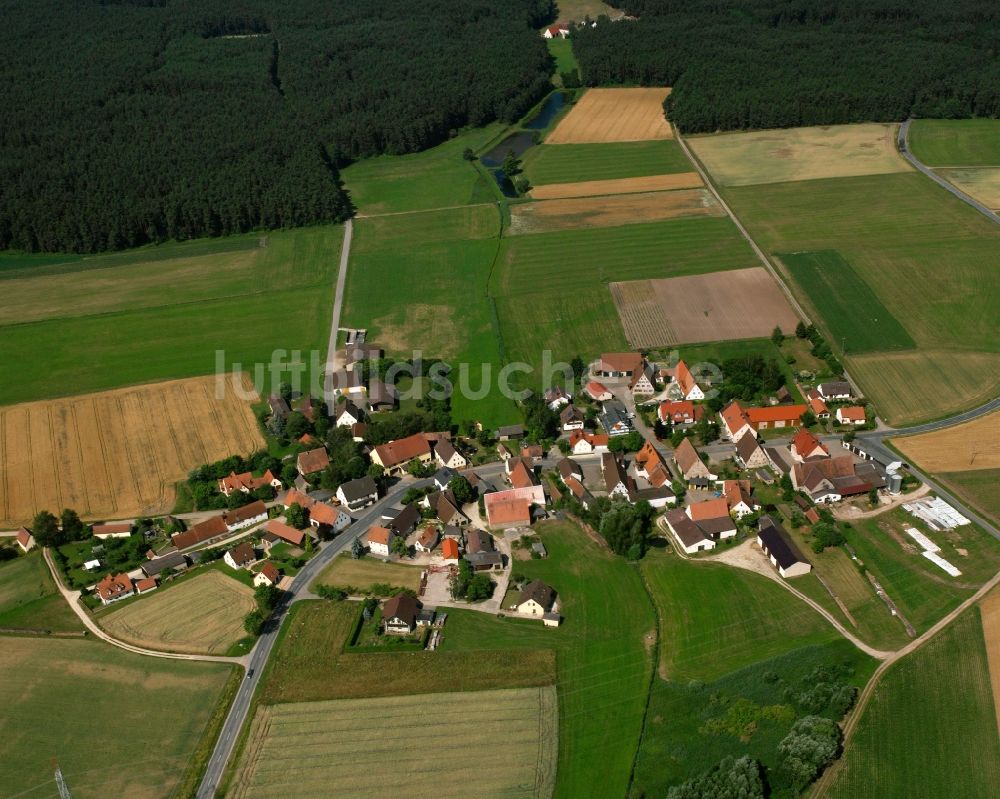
{"points": [[956, 142], [690, 727], [572, 163], [855, 316], [930, 730], [29, 597], [562, 51], [435, 178], [551, 288], [717, 619], [246, 303], [148, 714]]}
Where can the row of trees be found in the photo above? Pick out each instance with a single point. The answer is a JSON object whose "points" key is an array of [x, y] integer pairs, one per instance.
{"points": [[784, 63], [128, 123]]}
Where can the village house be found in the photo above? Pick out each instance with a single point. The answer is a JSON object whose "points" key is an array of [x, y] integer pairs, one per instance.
{"points": [[321, 516], [481, 552], [520, 473], [25, 539], [536, 599], [307, 407], [688, 535], [210, 528], [240, 556], [277, 530], [510, 508], [112, 530], [268, 575], [247, 483], [712, 516], [775, 416], [357, 494], [556, 397], [312, 461], [558, 31], [619, 365], [689, 461], [145, 585], [406, 521], [579, 491], [504, 452], [616, 479], [650, 465], [749, 453], [853, 414], [836, 391], [805, 446], [643, 382], [614, 419], [832, 479], [245, 516], [347, 413], [399, 614], [395, 456], [446, 507], [449, 551], [449, 457], [428, 539], [114, 588], [656, 496], [533, 452], [380, 540], [816, 404], [443, 477], [679, 412], [567, 468], [684, 386], [739, 498], [571, 418], [597, 391], [583, 443], [775, 542], [734, 423]]}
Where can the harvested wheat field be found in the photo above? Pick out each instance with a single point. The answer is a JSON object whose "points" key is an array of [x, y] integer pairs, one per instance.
{"points": [[614, 115], [964, 447], [981, 183], [779, 156], [990, 611], [579, 213], [116, 454], [594, 188], [504, 743], [738, 304], [201, 616]]}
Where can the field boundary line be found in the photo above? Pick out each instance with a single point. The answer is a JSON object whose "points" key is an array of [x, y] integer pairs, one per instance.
{"points": [[706, 179], [422, 210]]}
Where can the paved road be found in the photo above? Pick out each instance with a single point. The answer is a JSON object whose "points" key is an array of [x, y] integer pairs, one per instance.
{"points": [[903, 142]]}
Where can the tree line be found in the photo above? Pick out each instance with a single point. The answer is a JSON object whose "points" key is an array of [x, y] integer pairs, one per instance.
{"points": [[141, 121], [785, 63]]}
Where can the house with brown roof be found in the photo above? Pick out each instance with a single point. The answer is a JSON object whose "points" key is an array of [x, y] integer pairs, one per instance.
{"points": [[536, 599], [321, 516], [805, 446], [558, 31], [315, 460], [381, 396], [582, 442], [571, 418], [649, 463], [712, 516], [359, 493], [279, 406], [240, 556], [685, 386], [817, 405], [689, 461], [567, 468], [25, 539], [399, 614], [616, 479], [556, 397], [145, 585], [380, 540], [245, 516], [852, 414], [112, 530], [395, 456], [619, 365], [114, 588], [750, 454], [679, 412], [597, 391], [510, 432], [688, 535], [835, 391], [428, 539], [246, 483], [268, 575], [449, 457], [210, 528], [285, 532], [739, 498], [347, 413], [532, 452], [832, 479]]}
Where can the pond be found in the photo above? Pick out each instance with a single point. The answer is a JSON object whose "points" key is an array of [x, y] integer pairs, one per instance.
{"points": [[518, 142], [553, 105]]}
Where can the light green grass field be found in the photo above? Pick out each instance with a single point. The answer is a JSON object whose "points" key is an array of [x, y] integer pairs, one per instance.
{"points": [[29, 598], [552, 290], [259, 300], [930, 730], [562, 51], [362, 573], [956, 142], [435, 178], [927, 256], [517, 728], [979, 487], [64, 695], [717, 619], [573, 163]]}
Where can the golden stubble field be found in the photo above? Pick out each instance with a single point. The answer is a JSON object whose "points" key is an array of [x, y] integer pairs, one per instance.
{"points": [[595, 188], [201, 616], [965, 447], [488, 744], [614, 115], [116, 454]]}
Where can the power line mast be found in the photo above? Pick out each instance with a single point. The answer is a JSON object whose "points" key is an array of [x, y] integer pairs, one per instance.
{"points": [[61, 783]]}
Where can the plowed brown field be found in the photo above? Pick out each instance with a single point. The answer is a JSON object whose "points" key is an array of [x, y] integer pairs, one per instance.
{"points": [[613, 115], [593, 188], [118, 453]]}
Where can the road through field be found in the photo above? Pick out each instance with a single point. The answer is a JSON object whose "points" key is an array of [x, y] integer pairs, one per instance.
{"points": [[338, 306]]}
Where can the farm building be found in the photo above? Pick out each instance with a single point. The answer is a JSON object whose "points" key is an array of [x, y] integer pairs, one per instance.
{"points": [[778, 546], [212, 527], [25, 539], [246, 516], [775, 416], [114, 588], [688, 535], [279, 406], [284, 532], [509, 432], [619, 365], [381, 396], [399, 614], [509, 508], [347, 414], [712, 516], [113, 530], [597, 391], [172, 560], [145, 585], [394, 456], [520, 474], [656, 497]]}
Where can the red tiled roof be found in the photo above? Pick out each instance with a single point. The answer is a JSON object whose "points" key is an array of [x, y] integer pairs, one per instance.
{"points": [[735, 417], [776, 413], [521, 476], [24, 536], [315, 460], [379, 535], [805, 443], [684, 377], [285, 532], [686, 455], [114, 587], [449, 549], [403, 450], [509, 511], [681, 411], [736, 491], [853, 413], [146, 584], [596, 390], [270, 571], [203, 531], [629, 362], [112, 529], [709, 509]]}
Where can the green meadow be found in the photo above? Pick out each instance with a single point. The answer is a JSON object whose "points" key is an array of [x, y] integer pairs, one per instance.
{"points": [[956, 142], [29, 597], [573, 163]]}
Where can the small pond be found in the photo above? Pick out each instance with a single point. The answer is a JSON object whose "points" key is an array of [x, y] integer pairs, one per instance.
{"points": [[553, 105], [518, 142]]}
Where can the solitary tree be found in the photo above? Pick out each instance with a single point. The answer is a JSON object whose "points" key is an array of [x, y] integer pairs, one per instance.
{"points": [[253, 622], [357, 549], [468, 154], [801, 330], [777, 336], [511, 164]]}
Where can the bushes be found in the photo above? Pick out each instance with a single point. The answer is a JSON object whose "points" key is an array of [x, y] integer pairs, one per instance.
{"points": [[812, 744]]}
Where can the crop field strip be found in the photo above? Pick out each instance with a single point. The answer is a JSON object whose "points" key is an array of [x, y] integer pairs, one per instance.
{"points": [[980, 183], [614, 115], [299, 749], [118, 453], [618, 186], [978, 488], [915, 735], [965, 447], [989, 610], [558, 164], [956, 142], [203, 615]]}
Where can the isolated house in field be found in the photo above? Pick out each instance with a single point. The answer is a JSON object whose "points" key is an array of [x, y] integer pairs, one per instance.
{"points": [[583, 443], [396, 455], [835, 391], [285, 532], [853, 414], [246, 483], [315, 460], [739, 498], [749, 453], [614, 419], [734, 422], [687, 535], [536, 599], [268, 575], [509, 432], [805, 446], [690, 463], [685, 386], [380, 540], [649, 463], [399, 614], [597, 391], [775, 542], [817, 405], [571, 418], [25, 539], [112, 530], [346, 413], [775, 416], [240, 556], [358, 494], [556, 32], [449, 457], [679, 412], [556, 398], [114, 588], [616, 480]]}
